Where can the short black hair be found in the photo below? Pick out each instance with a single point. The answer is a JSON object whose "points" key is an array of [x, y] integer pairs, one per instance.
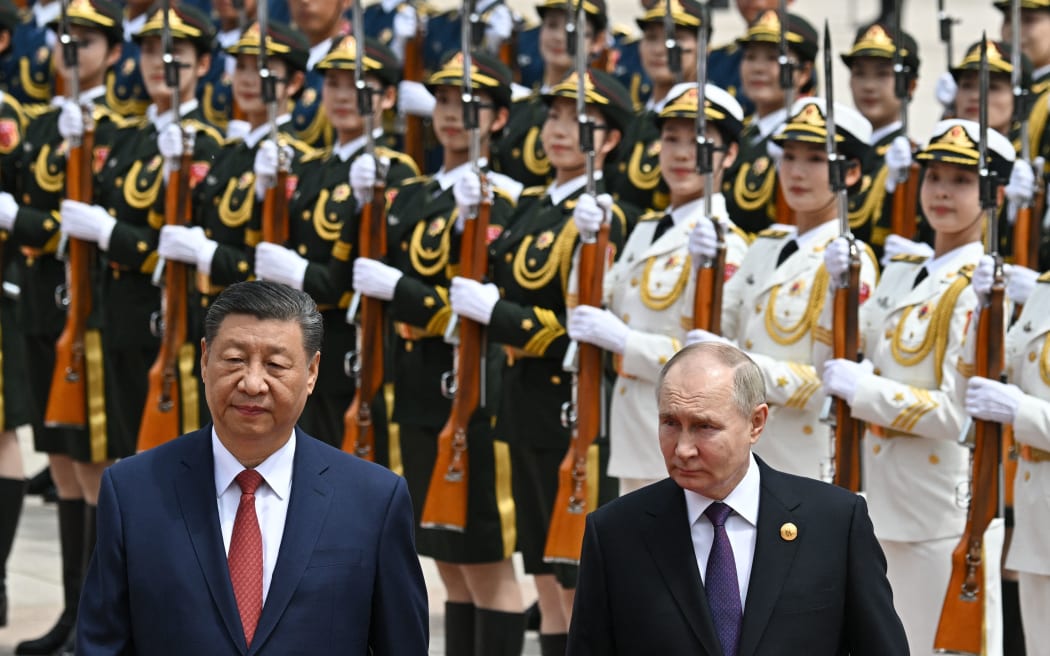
{"points": [[266, 300]]}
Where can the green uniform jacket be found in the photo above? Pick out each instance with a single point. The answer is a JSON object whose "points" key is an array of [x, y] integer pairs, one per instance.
{"points": [[634, 176], [750, 185], [518, 153]]}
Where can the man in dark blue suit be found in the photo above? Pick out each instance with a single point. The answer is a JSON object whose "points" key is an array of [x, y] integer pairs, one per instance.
{"points": [[319, 543], [729, 557]]}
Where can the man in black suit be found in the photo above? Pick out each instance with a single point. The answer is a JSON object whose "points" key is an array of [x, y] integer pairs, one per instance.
{"points": [[729, 557]]}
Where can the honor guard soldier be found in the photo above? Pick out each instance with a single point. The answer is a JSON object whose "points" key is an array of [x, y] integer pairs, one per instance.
{"points": [[29, 214], [525, 309], [653, 283], [425, 223], [872, 83], [519, 152], [724, 61], [773, 312], [1025, 404], [624, 61], [321, 205], [634, 177], [910, 389], [125, 91], [231, 24], [322, 22], [751, 186], [26, 71], [443, 31]]}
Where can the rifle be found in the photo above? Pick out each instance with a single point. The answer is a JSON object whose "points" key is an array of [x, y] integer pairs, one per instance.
{"points": [[365, 363], [1026, 226], [846, 431], [961, 626], [674, 51], [583, 414], [446, 503], [905, 195], [275, 202], [710, 276], [787, 83], [242, 21], [413, 72], [161, 416], [67, 399]]}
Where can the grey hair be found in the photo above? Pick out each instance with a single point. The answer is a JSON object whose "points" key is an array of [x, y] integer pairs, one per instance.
{"points": [[267, 300], [749, 387]]}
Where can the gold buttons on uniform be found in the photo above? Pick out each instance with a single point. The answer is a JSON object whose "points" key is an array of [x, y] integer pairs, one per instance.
{"points": [[1032, 356], [662, 360], [623, 390], [1027, 476], [556, 380], [934, 459], [748, 344], [758, 309], [788, 532], [508, 258], [428, 301], [875, 449], [807, 430], [302, 249], [634, 282]]}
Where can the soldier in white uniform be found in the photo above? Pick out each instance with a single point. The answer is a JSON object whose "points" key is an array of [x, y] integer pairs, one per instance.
{"points": [[652, 285], [772, 303], [910, 390], [1026, 405]]}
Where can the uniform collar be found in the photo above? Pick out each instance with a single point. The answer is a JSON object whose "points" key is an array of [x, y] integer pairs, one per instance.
{"points": [[954, 259], [133, 25], [228, 38], [344, 151], [448, 178], [43, 15], [317, 53], [879, 134], [559, 192], [161, 121], [770, 122], [253, 138], [88, 96]]}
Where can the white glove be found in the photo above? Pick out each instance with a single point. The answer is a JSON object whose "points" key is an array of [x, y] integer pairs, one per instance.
{"points": [[1020, 190], [836, 257], [237, 129], [840, 377], [775, 152], [267, 161], [703, 241], [946, 89], [467, 192], [896, 245], [982, 279], [8, 210], [1020, 282], [699, 335], [499, 27], [181, 243], [363, 178], [413, 98], [87, 222], [992, 401], [169, 143], [599, 327], [71, 120], [279, 264], [473, 300], [405, 24], [898, 158], [591, 212], [375, 279]]}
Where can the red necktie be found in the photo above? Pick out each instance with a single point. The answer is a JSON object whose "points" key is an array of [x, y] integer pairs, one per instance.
{"points": [[246, 558]]}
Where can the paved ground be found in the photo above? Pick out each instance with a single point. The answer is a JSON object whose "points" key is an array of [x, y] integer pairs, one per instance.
{"points": [[33, 571]]}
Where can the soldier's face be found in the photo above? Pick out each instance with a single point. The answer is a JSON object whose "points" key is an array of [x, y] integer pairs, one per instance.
{"points": [[653, 52], [872, 84], [1035, 34], [228, 13], [554, 40], [1000, 100], [151, 62], [247, 86], [804, 177], [759, 74], [317, 19], [94, 56], [678, 158], [448, 118], [340, 101], [951, 198]]}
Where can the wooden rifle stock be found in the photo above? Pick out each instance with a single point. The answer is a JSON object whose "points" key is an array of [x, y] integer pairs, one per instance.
{"points": [[67, 399], [275, 210], [161, 416], [784, 212], [905, 199], [707, 300], [413, 72], [847, 429], [358, 423], [446, 503], [961, 626], [569, 515]]}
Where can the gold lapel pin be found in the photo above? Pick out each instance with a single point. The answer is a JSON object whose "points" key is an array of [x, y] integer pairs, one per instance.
{"points": [[788, 532]]}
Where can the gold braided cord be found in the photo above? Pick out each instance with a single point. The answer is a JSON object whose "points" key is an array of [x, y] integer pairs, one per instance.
{"points": [[751, 201], [560, 258], [230, 217], [936, 338], [1044, 361], [505, 497], [872, 201], [639, 178], [537, 165], [438, 257], [188, 388], [543, 338], [140, 200], [787, 335], [326, 230], [49, 183], [660, 303]]}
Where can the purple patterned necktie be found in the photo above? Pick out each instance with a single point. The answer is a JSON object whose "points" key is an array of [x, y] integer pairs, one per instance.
{"points": [[720, 583]]}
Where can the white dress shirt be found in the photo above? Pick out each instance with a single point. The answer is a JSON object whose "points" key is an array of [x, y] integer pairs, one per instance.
{"points": [[271, 498], [741, 526]]}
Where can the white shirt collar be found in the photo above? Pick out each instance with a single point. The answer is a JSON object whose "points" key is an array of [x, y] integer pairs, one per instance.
{"points": [[317, 53], [161, 121], [344, 151], [88, 96], [879, 133], [133, 25], [770, 122], [45, 14], [559, 192], [1040, 72], [448, 178], [693, 208], [819, 235], [253, 138], [276, 470], [390, 5], [228, 38], [743, 499], [954, 259]]}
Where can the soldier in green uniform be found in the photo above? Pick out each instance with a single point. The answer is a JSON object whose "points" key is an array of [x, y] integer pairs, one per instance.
{"points": [[634, 176], [322, 23], [30, 215], [525, 309], [483, 614], [519, 153], [872, 81], [321, 207], [750, 187], [125, 90]]}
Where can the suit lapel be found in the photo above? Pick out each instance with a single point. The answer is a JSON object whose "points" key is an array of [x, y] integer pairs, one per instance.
{"points": [[670, 542], [308, 506], [773, 557], [195, 487]]}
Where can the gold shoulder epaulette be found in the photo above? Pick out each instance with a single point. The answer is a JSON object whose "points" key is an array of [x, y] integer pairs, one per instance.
{"points": [[299, 145], [730, 47], [397, 155], [620, 29], [773, 233], [743, 234], [651, 215], [30, 112], [967, 270], [1044, 278], [537, 191], [909, 258], [207, 129], [418, 179], [133, 121], [315, 153]]}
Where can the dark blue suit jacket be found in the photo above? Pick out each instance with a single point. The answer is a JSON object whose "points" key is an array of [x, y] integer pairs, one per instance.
{"points": [[347, 578]]}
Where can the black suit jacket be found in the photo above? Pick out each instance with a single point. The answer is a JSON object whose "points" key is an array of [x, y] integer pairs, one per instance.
{"points": [[823, 593]]}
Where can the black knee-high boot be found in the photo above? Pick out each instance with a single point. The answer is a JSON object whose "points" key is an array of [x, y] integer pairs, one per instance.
{"points": [[554, 644], [459, 629], [1013, 632], [90, 519], [12, 492], [498, 633], [71, 516]]}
